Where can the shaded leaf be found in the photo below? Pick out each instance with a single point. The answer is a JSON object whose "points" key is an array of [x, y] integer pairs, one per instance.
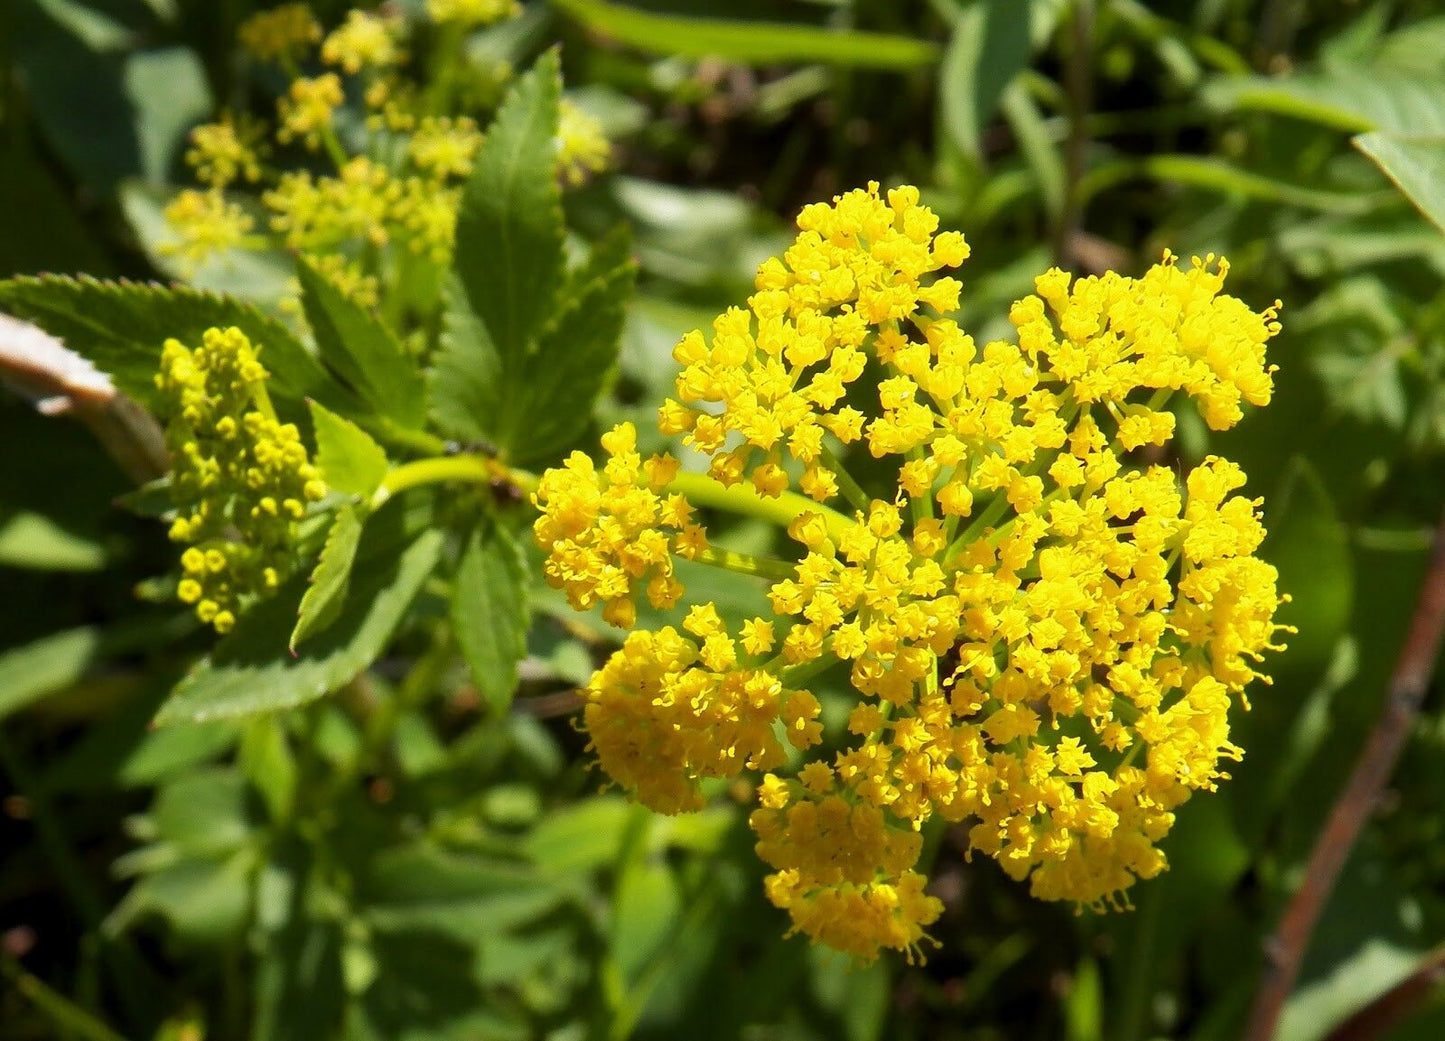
{"points": [[247, 673], [358, 347], [490, 611], [576, 354], [466, 375], [1416, 165], [988, 48]]}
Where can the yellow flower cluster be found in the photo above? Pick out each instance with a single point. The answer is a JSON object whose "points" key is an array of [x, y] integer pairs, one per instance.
{"points": [[582, 147], [1043, 642], [220, 153], [470, 13], [307, 107], [205, 223], [403, 191], [240, 480], [281, 34], [365, 41], [613, 532]]}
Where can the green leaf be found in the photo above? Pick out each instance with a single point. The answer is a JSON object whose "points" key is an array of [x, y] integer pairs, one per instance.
{"points": [[120, 326], [421, 886], [360, 349], [204, 901], [249, 671], [534, 404], [489, 610], [1350, 97], [509, 231], [205, 814], [1417, 166], [576, 355], [35, 542], [645, 912], [349, 460], [1309, 545], [167, 88], [466, 375], [268, 763], [757, 43], [51, 663], [331, 578], [988, 48]]}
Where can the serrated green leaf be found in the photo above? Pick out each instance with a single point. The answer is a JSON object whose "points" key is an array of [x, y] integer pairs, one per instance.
{"points": [[120, 326], [466, 376], [489, 610], [988, 48], [763, 43], [576, 355], [509, 231], [360, 349], [1416, 165], [249, 671], [349, 460], [330, 579], [533, 405]]}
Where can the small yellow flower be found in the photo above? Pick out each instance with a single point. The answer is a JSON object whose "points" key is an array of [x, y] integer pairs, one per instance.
{"points": [[472, 12], [281, 34], [220, 153], [204, 224], [441, 147], [582, 147], [306, 110], [365, 41]]}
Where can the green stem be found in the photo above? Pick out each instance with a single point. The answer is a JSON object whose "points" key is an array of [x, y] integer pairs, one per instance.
{"points": [[67, 1016], [332, 144], [921, 505], [850, 488], [472, 469], [796, 674], [745, 563], [702, 490]]}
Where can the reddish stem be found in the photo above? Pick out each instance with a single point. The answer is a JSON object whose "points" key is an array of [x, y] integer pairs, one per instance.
{"points": [[1285, 950]]}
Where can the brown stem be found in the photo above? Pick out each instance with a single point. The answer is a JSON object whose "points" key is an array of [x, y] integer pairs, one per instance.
{"points": [[1393, 1006], [1285, 950], [1078, 75]]}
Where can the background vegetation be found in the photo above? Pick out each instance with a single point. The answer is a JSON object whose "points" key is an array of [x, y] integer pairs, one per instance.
{"points": [[413, 860]]}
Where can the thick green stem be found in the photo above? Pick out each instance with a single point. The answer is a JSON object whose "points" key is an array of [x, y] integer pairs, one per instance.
{"points": [[745, 563], [67, 1016], [702, 490], [471, 469], [851, 489]]}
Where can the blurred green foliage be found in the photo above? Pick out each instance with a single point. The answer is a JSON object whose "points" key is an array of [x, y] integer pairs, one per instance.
{"points": [[421, 857]]}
